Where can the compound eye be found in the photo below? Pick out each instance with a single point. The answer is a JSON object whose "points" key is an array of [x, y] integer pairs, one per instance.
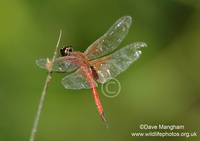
{"points": [[70, 49], [66, 51]]}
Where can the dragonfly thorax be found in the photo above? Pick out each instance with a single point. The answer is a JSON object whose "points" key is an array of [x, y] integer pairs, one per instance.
{"points": [[66, 51]]}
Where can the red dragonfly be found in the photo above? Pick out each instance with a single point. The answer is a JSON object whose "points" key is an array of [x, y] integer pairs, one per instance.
{"points": [[89, 64]]}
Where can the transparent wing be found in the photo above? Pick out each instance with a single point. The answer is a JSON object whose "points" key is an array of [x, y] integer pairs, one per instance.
{"points": [[61, 64], [114, 64], [76, 80], [110, 40]]}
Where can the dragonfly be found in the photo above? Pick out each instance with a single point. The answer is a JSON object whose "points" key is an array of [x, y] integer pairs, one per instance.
{"points": [[96, 63]]}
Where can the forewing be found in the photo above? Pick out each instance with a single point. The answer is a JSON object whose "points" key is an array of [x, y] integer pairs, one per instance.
{"points": [[76, 80], [114, 64], [61, 64], [110, 40]]}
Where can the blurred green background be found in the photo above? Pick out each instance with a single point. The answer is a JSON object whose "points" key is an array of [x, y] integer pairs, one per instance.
{"points": [[161, 87]]}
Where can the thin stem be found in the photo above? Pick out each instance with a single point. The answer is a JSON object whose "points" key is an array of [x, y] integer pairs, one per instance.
{"points": [[35, 125]]}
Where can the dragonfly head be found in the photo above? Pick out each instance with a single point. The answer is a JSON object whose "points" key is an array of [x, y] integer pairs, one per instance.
{"points": [[66, 51]]}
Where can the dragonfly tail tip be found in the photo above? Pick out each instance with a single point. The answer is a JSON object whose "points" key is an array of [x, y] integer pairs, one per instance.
{"points": [[104, 119]]}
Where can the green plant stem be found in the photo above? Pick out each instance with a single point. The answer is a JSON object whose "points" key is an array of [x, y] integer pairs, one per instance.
{"points": [[35, 125]]}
